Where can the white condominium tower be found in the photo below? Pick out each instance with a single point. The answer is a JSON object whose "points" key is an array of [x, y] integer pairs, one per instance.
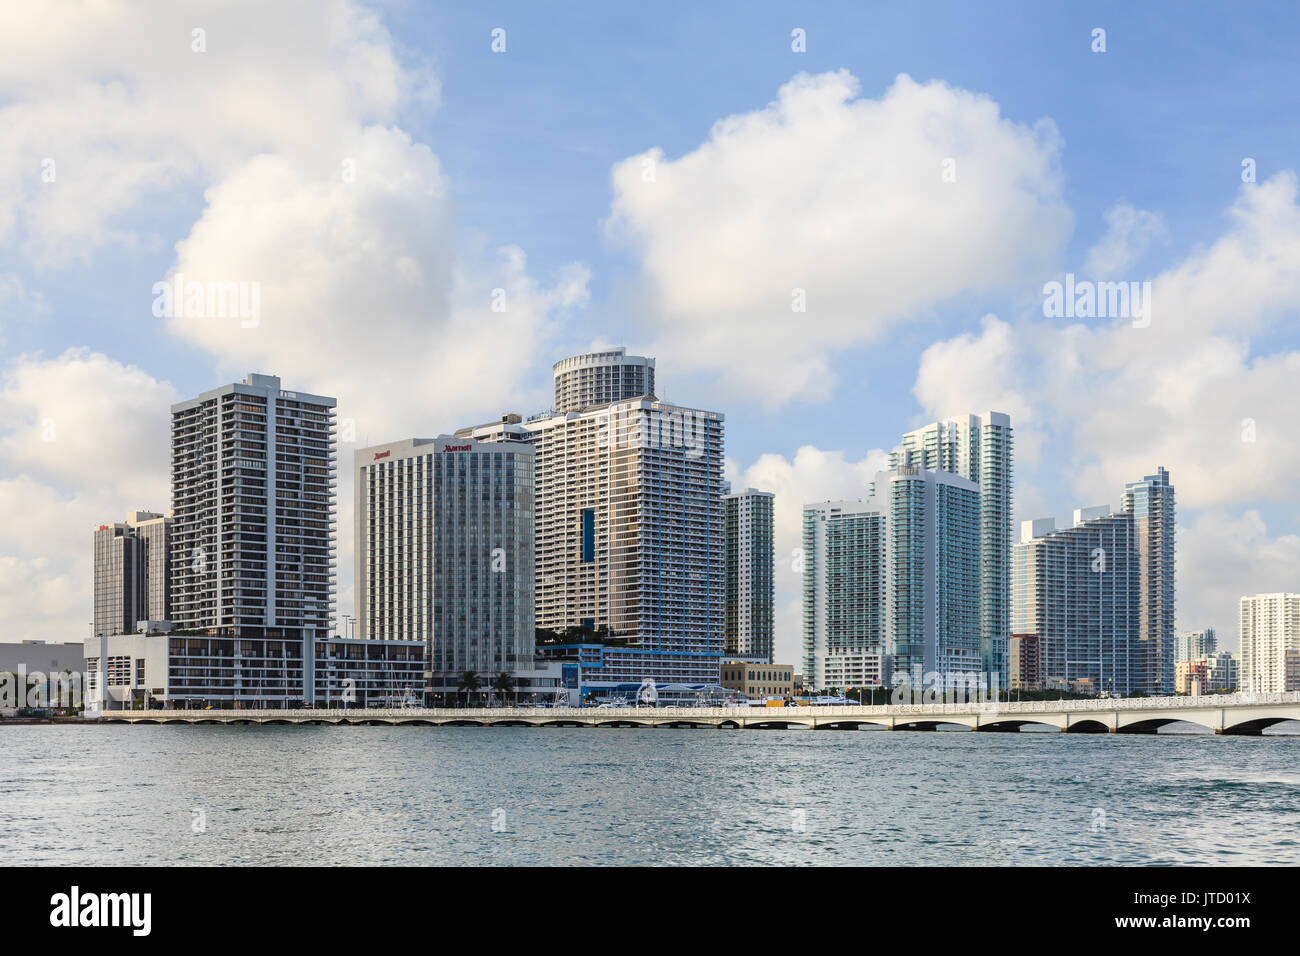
{"points": [[132, 568], [444, 545], [253, 505], [748, 621], [629, 534], [845, 633], [1151, 504], [896, 575], [598, 378], [979, 448], [1270, 631]]}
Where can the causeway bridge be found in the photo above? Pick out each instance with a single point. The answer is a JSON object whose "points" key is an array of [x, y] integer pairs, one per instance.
{"points": [[1241, 714]]}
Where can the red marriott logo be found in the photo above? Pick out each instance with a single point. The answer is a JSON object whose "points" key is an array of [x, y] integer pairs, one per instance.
{"points": [[456, 447], [382, 454]]}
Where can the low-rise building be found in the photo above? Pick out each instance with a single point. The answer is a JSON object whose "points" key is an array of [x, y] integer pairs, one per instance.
{"points": [[1192, 677], [758, 680]]}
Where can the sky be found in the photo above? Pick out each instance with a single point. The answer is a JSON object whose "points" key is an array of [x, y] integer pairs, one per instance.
{"points": [[831, 225]]}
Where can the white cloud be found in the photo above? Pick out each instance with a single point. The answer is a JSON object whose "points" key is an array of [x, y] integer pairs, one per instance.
{"points": [[116, 98], [844, 198], [1130, 232], [1222, 557], [83, 441], [812, 475]]}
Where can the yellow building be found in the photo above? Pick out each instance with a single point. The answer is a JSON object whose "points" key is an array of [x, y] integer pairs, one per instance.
{"points": [[758, 681]]}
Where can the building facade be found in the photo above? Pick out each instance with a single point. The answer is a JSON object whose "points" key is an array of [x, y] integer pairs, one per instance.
{"points": [[1078, 590], [1024, 652], [444, 554], [1270, 630], [253, 485], [979, 448], [748, 620], [757, 680], [1150, 502], [601, 378], [845, 623], [1193, 645], [132, 568], [630, 559]]}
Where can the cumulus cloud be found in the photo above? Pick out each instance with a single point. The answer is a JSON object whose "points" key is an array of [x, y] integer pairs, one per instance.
{"points": [[812, 475], [69, 462], [1130, 232], [872, 210], [108, 105]]}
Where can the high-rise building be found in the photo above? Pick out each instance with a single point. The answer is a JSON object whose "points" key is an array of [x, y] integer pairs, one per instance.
{"points": [[630, 562], [845, 623], [1270, 630], [599, 378], [253, 504], [1078, 590], [1193, 645], [1225, 672], [132, 567], [892, 584], [979, 448], [1151, 503], [444, 554], [1025, 660], [749, 615]]}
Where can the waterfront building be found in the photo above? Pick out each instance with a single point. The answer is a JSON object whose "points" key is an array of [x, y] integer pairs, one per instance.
{"points": [[601, 378], [132, 572], [444, 554], [1151, 504], [1077, 589], [758, 680], [892, 584], [845, 623], [253, 485], [630, 559], [1024, 652], [979, 448], [1270, 629], [748, 620], [1193, 645]]}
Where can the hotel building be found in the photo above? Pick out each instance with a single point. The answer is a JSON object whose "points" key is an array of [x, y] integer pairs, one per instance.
{"points": [[444, 554], [132, 567], [1270, 630], [749, 610], [980, 449]]}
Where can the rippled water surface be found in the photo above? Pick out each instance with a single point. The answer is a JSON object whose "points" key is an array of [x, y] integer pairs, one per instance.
{"points": [[412, 795]]}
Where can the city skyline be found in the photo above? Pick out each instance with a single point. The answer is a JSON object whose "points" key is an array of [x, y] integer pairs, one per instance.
{"points": [[425, 234]]}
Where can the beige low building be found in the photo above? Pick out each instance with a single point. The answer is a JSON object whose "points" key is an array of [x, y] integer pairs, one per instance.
{"points": [[758, 680]]}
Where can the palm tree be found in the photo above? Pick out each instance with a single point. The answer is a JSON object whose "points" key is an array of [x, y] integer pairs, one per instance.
{"points": [[504, 684], [469, 683]]}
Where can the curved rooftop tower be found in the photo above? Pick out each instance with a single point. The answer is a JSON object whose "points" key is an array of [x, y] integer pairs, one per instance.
{"points": [[599, 378]]}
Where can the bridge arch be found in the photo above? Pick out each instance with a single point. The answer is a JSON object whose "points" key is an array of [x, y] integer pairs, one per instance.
{"points": [[1151, 725], [1253, 728], [1013, 725], [1088, 726]]}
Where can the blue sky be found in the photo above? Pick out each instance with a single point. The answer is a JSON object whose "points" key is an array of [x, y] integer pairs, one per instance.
{"points": [[520, 149]]}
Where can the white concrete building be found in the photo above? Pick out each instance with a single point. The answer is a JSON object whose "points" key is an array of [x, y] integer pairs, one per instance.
{"points": [[749, 616], [1270, 629]]}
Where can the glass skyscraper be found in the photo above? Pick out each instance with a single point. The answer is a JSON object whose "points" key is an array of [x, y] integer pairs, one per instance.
{"points": [[748, 617]]}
